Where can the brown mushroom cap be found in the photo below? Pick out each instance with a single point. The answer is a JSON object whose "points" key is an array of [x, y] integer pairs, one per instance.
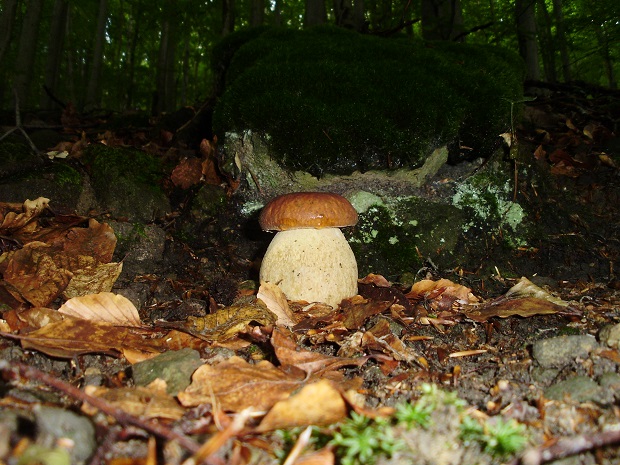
{"points": [[303, 210]]}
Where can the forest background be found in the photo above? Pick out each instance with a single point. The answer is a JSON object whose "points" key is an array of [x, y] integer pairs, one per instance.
{"points": [[154, 55]]}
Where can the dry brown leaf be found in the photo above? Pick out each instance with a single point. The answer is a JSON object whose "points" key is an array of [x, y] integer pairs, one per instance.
{"points": [[234, 385], [227, 322], [97, 241], [526, 288], [356, 312], [503, 307], [73, 336], [103, 307], [93, 279], [319, 404], [187, 173], [150, 401], [324, 456], [33, 273], [376, 279], [313, 364], [12, 220], [275, 300]]}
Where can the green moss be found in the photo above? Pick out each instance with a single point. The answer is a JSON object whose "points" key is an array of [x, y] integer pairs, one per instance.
{"points": [[336, 101], [65, 175], [111, 163]]}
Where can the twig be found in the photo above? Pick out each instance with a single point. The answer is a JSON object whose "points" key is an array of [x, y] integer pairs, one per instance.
{"points": [[569, 446], [18, 125], [121, 417]]}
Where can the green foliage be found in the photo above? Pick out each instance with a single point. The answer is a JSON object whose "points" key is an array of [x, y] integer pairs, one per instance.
{"points": [[360, 440], [498, 437], [336, 101]]}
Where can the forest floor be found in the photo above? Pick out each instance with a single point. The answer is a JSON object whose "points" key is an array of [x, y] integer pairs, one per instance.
{"points": [[456, 370]]}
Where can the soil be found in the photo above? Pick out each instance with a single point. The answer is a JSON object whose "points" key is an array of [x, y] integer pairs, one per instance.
{"points": [[572, 132]]}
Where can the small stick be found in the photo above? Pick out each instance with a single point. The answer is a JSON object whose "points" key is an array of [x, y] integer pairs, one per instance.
{"points": [[569, 446], [121, 417]]}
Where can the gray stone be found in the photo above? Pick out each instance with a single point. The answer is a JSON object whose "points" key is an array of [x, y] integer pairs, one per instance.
{"points": [[579, 389], [174, 367], [562, 350]]}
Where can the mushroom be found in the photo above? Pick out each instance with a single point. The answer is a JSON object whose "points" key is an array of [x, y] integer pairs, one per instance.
{"points": [[309, 258]]}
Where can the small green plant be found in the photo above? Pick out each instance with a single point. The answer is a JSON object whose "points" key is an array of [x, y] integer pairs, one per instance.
{"points": [[498, 438], [360, 440]]}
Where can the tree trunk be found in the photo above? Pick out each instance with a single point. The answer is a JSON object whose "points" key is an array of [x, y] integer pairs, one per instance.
{"points": [[315, 13], [442, 19], [7, 19], [93, 92], [526, 35], [257, 12], [277, 13], [228, 17], [602, 37], [561, 39], [27, 51], [545, 38], [9, 7], [58, 29], [131, 58], [343, 13], [165, 95], [380, 15]]}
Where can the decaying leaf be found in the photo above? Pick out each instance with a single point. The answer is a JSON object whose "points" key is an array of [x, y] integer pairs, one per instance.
{"points": [[319, 404], [33, 273], [229, 321], [275, 300], [234, 385], [524, 299], [187, 173], [93, 279], [11, 219], [104, 307], [150, 401]]}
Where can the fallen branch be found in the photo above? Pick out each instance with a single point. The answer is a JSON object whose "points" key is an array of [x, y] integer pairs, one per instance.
{"points": [[569, 446], [119, 415]]}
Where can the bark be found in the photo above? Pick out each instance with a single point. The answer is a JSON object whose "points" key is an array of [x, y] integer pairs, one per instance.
{"points": [[545, 38], [93, 92], [526, 35], [315, 13], [277, 13], [7, 19], [54, 50], [257, 12], [560, 39], [27, 51], [165, 95], [343, 13], [380, 15], [131, 58], [228, 17], [442, 19], [605, 50], [9, 7]]}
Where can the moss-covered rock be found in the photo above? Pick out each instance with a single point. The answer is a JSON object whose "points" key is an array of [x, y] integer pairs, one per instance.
{"points": [[127, 183], [399, 235], [330, 100]]}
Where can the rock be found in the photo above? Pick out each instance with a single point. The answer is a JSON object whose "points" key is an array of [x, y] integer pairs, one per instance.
{"points": [[579, 389], [174, 367], [140, 247], [55, 423], [561, 351], [610, 336]]}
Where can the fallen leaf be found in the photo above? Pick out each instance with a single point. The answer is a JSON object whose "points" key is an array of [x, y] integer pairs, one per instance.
{"points": [[103, 307], [319, 404], [187, 173], [12, 220], [151, 401], [227, 322], [275, 300], [234, 385], [93, 279], [526, 288], [504, 308]]}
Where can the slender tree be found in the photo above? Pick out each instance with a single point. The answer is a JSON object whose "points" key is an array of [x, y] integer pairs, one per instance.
{"points": [[442, 19], [561, 39], [26, 53], [526, 34], [546, 41], [7, 19], [257, 12], [228, 17], [165, 95], [315, 13], [93, 92], [54, 51]]}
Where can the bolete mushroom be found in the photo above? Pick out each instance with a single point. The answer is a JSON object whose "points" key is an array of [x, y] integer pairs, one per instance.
{"points": [[309, 258]]}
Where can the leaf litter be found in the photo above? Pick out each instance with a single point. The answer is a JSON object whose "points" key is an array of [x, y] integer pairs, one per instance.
{"points": [[291, 385]]}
